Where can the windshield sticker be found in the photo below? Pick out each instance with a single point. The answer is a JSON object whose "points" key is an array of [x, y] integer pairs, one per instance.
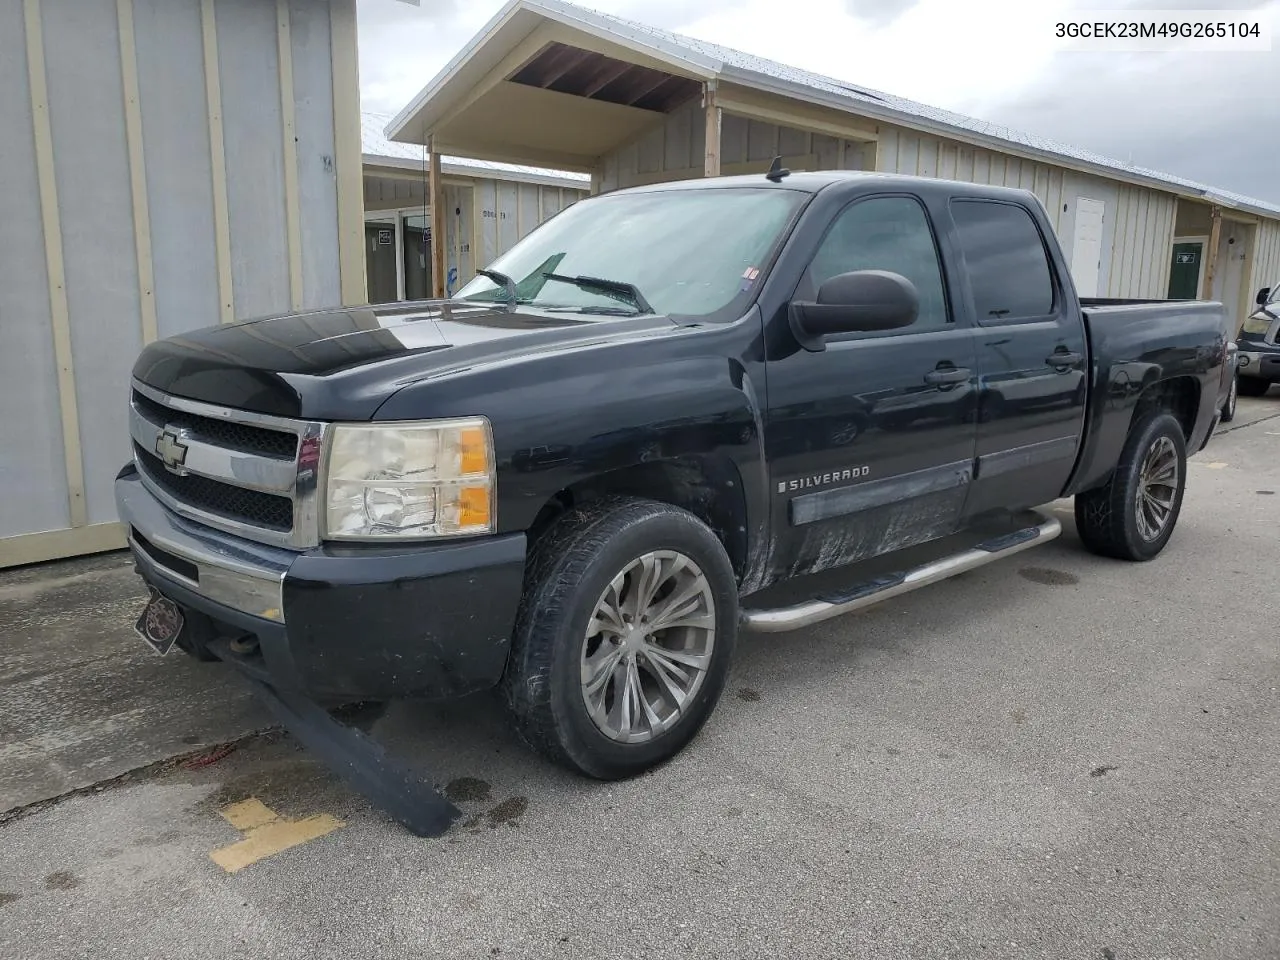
{"points": [[749, 277]]}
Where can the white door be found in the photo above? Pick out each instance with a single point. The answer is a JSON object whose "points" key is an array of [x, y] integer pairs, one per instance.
{"points": [[1086, 246], [1230, 272]]}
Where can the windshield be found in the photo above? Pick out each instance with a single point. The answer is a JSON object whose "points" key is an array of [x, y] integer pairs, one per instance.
{"points": [[684, 252]]}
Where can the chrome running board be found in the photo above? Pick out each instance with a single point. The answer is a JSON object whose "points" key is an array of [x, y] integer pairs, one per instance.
{"points": [[869, 592]]}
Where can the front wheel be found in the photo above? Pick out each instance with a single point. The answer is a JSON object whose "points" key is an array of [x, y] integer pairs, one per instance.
{"points": [[624, 637], [1254, 386], [1132, 516]]}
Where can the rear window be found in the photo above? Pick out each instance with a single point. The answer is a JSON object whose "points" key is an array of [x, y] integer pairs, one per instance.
{"points": [[1006, 260]]}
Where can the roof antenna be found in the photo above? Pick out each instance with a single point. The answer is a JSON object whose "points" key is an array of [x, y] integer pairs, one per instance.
{"points": [[777, 171]]}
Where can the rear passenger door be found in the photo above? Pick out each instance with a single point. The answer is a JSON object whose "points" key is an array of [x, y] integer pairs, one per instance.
{"points": [[1030, 354], [870, 441]]}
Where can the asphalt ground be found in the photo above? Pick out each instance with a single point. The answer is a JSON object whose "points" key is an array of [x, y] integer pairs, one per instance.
{"points": [[1055, 756]]}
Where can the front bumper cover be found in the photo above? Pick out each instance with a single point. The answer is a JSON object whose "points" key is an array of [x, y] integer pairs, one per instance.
{"points": [[345, 621]]}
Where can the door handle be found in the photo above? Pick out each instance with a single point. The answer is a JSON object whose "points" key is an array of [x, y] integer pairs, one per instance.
{"points": [[1064, 359], [945, 376]]}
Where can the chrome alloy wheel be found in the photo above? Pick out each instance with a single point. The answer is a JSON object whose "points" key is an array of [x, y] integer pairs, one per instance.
{"points": [[1157, 488], [648, 646]]}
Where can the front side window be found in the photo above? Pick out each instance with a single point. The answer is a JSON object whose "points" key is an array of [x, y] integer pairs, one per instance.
{"points": [[886, 233], [1005, 256], [689, 253]]}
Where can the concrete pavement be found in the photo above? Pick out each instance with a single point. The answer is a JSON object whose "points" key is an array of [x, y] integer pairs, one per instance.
{"points": [[1057, 756]]}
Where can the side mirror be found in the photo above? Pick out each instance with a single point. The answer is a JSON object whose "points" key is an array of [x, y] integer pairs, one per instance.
{"points": [[1263, 296], [861, 301]]}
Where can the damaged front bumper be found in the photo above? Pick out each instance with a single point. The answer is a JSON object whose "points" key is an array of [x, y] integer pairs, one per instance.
{"points": [[348, 622]]}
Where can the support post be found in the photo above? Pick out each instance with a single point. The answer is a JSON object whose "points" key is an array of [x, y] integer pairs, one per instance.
{"points": [[711, 166], [1211, 255], [435, 197]]}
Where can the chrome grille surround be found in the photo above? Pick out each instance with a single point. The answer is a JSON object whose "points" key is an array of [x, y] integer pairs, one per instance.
{"points": [[229, 450]]}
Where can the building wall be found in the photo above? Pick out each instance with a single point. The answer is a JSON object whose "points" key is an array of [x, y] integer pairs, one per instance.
{"points": [[168, 164], [1265, 270], [674, 149], [1137, 222], [484, 216]]}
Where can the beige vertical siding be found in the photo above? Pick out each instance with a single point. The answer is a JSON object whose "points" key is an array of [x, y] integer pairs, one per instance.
{"points": [[1137, 222], [160, 153], [673, 149], [1266, 258]]}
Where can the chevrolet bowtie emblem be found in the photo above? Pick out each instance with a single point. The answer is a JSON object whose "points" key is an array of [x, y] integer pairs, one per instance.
{"points": [[171, 448]]}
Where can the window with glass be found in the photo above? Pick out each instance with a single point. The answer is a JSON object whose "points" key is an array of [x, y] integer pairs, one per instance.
{"points": [[688, 253], [1006, 260], [886, 233]]}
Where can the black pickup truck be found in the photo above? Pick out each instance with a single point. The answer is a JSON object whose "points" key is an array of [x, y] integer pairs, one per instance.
{"points": [[669, 414]]}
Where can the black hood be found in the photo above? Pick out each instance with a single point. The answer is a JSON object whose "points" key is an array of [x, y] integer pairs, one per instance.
{"points": [[343, 363]]}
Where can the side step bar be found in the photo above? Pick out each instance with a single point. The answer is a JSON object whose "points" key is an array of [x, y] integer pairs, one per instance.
{"points": [[867, 593]]}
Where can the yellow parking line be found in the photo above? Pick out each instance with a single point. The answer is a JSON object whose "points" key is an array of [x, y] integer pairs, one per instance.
{"points": [[1216, 465], [266, 833]]}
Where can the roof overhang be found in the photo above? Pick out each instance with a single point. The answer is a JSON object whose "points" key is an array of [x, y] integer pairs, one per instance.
{"points": [[473, 108], [478, 107]]}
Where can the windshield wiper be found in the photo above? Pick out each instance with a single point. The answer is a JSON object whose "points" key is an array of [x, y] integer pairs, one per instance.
{"points": [[610, 288], [508, 285]]}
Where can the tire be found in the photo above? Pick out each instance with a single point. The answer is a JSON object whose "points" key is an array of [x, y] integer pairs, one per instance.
{"points": [[571, 577], [1109, 519], [1229, 405], [1253, 386]]}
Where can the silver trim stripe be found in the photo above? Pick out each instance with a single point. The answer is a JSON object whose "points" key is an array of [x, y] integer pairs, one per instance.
{"points": [[295, 478]]}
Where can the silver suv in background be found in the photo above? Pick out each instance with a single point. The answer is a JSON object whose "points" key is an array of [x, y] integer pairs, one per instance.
{"points": [[1258, 360]]}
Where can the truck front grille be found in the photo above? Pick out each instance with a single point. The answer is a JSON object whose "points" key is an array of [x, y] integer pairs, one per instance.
{"points": [[247, 473], [252, 507], [224, 433]]}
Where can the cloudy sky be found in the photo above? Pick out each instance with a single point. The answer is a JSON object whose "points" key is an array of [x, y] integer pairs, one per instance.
{"points": [[1210, 116]]}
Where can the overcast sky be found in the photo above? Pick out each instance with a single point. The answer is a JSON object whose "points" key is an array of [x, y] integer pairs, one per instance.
{"points": [[1212, 117]]}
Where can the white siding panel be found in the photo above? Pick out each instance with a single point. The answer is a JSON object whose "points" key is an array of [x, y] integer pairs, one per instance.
{"points": [[982, 167], [678, 144], [33, 483], [508, 232], [609, 174], [175, 136], [486, 221], [1265, 270], [927, 159], [733, 138], [91, 160], [827, 150], [651, 151], [466, 220], [948, 157], [527, 208], [248, 66], [793, 142], [887, 150], [908, 154], [318, 201], [762, 140]]}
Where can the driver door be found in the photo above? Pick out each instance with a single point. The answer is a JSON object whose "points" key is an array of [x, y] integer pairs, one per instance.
{"points": [[871, 441]]}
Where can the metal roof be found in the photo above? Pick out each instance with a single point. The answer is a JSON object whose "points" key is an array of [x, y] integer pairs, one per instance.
{"points": [[379, 151], [706, 58]]}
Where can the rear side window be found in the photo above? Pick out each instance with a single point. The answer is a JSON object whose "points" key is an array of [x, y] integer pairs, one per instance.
{"points": [[1005, 256], [886, 233]]}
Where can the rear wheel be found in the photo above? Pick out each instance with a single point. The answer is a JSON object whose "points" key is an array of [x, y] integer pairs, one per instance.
{"points": [[1133, 515], [624, 637], [1253, 386]]}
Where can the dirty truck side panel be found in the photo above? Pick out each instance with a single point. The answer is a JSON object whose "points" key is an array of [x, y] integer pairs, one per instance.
{"points": [[682, 396], [1133, 347]]}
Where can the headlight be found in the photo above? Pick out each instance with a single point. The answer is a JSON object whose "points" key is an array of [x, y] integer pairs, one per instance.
{"points": [[431, 478]]}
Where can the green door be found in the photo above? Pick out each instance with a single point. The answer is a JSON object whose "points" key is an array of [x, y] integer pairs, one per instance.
{"points": [[1184, 275]]}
